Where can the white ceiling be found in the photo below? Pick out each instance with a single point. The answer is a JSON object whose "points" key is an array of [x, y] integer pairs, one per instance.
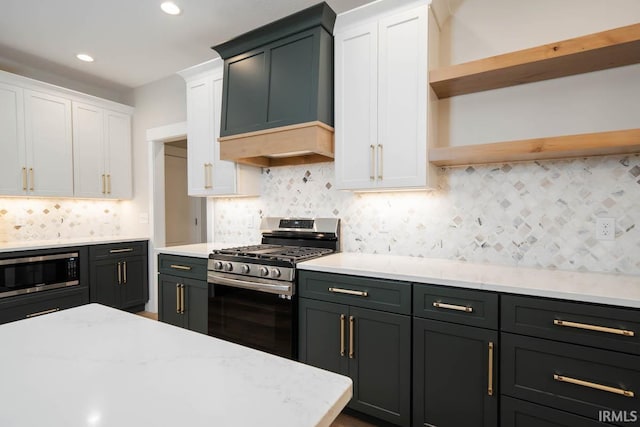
{"points": [[133, 41]]}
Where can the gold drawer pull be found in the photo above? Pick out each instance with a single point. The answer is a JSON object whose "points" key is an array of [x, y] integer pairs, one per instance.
{"points": [[583, 383], [490, 385], [349, 292], [40, 313], [594, 328], [342, 317], [453, 307], [180, 267], [119, 251]]}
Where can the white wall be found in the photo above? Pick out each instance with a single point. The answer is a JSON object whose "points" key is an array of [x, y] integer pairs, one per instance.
{"points": [[592, 102]]}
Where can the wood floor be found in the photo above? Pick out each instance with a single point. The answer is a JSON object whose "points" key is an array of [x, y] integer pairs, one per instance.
{"points": [[343, 420]]}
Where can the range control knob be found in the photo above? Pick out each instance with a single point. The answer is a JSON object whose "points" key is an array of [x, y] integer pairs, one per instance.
{"points": [[264, 271], [217, 265], [245, 269], [275, 272], [228, 266]]}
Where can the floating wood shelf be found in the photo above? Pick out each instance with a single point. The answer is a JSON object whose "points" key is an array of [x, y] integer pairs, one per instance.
{"points": [[561, 147], [599, 51]]}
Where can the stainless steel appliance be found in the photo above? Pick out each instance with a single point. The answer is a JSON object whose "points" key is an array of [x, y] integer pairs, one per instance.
{"points": [[253, 297], [23, 275]]}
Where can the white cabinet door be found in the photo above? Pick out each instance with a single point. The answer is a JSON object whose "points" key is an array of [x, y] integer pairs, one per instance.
{"points": [[402, 103], [12, 145], [88, 151], [224, 172], [200, 136], [49, 144], [117, 139], [356, 107]]}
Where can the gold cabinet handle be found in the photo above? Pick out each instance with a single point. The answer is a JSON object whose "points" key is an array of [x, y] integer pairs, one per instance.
{"points": [[349, 292], [182, 299], [104, 184], [24, 179], [380, 162], [588, 327], [490, 383], [177, 298], [372, 163], [351, 352], [119, 273], [124, 272], [342, 317], [453, 307], [180, 267], [40, 313], [32, 180], [596, 386], [119, 251], [108, 184], [207, 175]]}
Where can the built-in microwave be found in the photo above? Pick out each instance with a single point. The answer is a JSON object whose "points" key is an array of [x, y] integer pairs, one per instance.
{"points": [[25, 275]]}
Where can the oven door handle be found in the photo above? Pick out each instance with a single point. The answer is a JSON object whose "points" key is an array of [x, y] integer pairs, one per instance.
{"points": [[255, 286]]}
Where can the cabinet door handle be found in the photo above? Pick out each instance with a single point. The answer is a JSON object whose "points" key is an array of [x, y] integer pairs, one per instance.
{"points": [[490, 384], [182, 299], [349, 292], [33, 179], [596, 386], [119, 273], [453, 307], [342, 317], [119, 251], [124, 272], [380, 162], [104, 184], [177, 298], [180, 267], [40, 313], [207, 175], [372, 162], [109, 184], [24, 179], [351, 352], [597, 328]]}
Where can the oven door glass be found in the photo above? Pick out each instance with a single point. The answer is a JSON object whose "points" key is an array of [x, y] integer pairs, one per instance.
{"points": [[255, 319]]}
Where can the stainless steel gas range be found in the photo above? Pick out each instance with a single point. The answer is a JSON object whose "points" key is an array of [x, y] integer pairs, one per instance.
{"points": [[253, 298]]}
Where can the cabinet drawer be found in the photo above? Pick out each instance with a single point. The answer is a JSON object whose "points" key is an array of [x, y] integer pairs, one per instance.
{"points": [[182, 266], [606, 327], [569, 377], [118, 250], [23, 307], [379, 294], [518, 413], [467, 307]]}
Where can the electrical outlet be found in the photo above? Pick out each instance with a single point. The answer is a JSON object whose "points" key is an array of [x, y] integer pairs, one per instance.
{"points": [[605, 228]]}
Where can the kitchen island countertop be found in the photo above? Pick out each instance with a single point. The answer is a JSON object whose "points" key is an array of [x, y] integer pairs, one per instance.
{"points": [[97, 366], [613, 289]]}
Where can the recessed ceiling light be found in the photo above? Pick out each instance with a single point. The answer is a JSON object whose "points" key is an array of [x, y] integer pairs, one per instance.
{"points": [[170, 8], [84, 57]]}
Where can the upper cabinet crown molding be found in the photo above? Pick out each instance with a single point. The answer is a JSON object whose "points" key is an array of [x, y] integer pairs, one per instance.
{"points": [[593, 52]]}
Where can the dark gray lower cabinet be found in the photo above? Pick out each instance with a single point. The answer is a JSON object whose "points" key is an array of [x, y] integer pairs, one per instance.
{"points": [[454, 375], [183, 302], [39, 303], [370, 346], [518, 413]]}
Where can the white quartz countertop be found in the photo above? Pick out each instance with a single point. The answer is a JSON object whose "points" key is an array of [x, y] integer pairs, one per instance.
{"points": [[61, 243], [96, 366], [587, 287], [196, 250]]}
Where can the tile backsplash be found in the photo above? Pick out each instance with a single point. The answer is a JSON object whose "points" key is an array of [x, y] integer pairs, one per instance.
{"points": [[24, 219], [536, 214]]}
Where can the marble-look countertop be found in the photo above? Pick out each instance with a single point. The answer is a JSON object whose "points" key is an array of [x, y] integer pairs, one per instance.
{"points": [[61, 243], [196, 250], [96, 366], [600, 288]]}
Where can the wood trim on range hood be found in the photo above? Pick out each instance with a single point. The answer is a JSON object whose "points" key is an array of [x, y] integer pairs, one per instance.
{"points": [[298, 144]]}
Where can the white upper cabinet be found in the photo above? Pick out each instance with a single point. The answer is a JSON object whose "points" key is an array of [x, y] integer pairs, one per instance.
{"points": [[54, 144], [382, 98], [102, 152], [207, 174]]}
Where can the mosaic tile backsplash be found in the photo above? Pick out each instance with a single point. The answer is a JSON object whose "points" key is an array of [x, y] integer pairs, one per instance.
{"points": [[24, 219], [535, 214]]}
